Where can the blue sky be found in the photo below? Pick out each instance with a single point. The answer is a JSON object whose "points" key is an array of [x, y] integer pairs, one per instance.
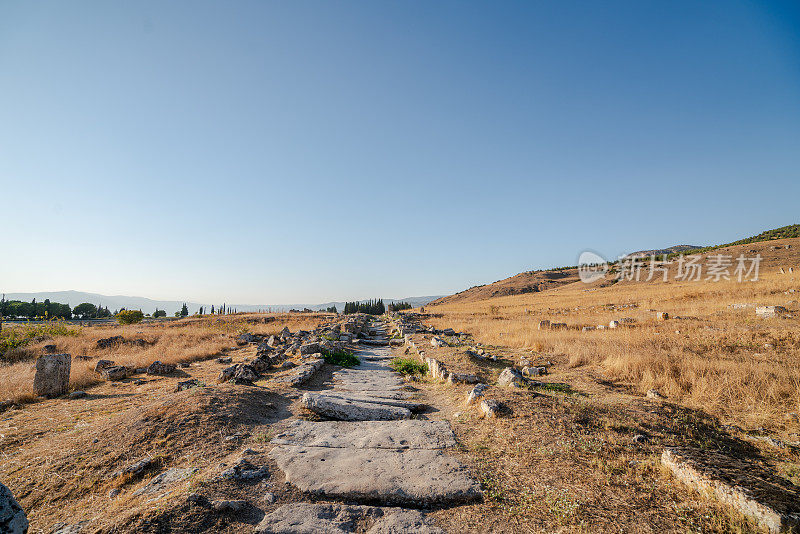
{"points": [[277, 152]]}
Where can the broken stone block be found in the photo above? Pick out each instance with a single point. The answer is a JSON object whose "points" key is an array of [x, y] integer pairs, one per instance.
{"points": [[244, 339], [613, 324], [244, 470], [436, 341], [303, 373], [52, 375], [241, 373], [476, 393], [103, 364], [510, 377], [534, 371], [662, 316], [491, 408], [544, 325], [770, 311], [436, 369], [342, 409], [12, 518], [115, 372], [462, 378], [159, 368], [310, 348], [771, 501]]}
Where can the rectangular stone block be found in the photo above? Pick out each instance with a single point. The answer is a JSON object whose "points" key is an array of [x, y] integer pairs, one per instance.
{"points": [[772, 502], [52, 375]]}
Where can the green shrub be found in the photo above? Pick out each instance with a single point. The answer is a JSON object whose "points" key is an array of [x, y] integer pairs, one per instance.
{"points": [[130, 316], [407, 366], [17, 336], [341, 357]]}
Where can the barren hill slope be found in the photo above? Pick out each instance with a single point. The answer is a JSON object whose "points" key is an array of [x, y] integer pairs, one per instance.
{"points": [[527, 282], [537, 281]]}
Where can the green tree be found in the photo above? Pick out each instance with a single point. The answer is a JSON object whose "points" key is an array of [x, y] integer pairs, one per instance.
{"points": [[85, 310], [184, 310]]}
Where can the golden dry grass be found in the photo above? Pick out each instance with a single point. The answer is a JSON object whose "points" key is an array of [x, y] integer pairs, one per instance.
{"points": [[169, 342], [709, 356]]}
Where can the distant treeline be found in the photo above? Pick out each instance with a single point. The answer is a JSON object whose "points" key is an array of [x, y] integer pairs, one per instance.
{"points": [[372, 307], [397, 306], [50, 310]]}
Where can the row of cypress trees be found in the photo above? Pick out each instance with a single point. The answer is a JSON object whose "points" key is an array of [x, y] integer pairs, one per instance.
{"points": [[372, 307]]}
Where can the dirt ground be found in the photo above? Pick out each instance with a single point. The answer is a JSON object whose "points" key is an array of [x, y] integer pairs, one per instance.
{"points": [[564, 458]]}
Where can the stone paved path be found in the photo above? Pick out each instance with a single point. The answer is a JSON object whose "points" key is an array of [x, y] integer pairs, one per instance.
{"points": [[373, 454]]}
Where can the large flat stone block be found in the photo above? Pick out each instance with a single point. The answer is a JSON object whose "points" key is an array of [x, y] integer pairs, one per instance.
{"points": [[417, 477]]}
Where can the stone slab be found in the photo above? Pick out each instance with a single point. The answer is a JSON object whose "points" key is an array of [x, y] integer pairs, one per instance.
{"points": [[306, 518], [52, 375], [410, 405], [303, 373], [408, 434], [415, 477], [772, 502], [350, 410]]}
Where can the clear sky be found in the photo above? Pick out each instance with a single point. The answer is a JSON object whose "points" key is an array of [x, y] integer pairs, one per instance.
{"points": [[294, 151]]}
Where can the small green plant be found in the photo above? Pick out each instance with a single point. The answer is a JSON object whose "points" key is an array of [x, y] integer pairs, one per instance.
{"points": [[408, 366], [555, 387], [341, 357]]}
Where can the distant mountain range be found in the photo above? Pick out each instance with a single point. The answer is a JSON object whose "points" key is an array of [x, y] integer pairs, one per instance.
{"points": [[115, 302]]}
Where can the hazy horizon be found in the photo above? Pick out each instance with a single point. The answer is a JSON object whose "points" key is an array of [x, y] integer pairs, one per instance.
{"points": [[315, 151]]}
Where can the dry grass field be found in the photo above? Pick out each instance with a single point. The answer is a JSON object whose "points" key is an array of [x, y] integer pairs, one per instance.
{"points": [[709, 355], [187, 340]]}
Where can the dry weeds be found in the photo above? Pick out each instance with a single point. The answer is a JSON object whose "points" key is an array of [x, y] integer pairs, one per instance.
{"points": [[187, 340], [709, 355]]}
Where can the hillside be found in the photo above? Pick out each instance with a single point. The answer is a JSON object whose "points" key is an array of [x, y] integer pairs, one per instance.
{"points": [[677, 249], [527, 282], [537, 281]]}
